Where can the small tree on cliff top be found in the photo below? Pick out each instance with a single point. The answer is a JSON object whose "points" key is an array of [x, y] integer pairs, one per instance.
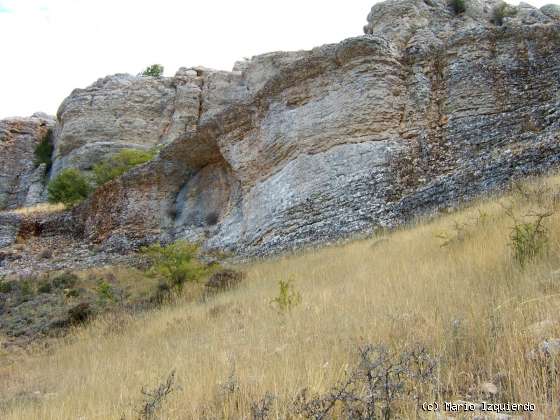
{"points": [[155, 70]]}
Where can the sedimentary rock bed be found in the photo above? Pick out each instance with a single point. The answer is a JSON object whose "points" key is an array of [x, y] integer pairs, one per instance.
{"points": [[21, 179], [427, 108]]}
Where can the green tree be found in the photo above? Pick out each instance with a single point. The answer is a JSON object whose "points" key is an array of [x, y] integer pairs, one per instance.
{"points": [[155, 70], [68, 187], [120, 163]]}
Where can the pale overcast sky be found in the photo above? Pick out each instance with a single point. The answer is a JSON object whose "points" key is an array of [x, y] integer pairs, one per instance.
{"points": [[49, 47]]}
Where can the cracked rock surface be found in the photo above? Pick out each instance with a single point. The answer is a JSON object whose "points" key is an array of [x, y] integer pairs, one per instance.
{"points": [[21, 180], [426, 109]]}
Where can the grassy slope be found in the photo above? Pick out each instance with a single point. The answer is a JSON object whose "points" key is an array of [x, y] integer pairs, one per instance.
{"points": [[469, 302]]}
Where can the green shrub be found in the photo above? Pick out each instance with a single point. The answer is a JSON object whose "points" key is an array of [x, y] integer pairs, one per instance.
{"points": [[68, 187], [501, 11], [26, 287], [45, 287], [5, 286], [155, 70], [80, 313], [65, 280], [43, 151], [528, 241], [177, 263], [161, 294], [120, 163], [458, 6], [288, 297], [105, 291]]}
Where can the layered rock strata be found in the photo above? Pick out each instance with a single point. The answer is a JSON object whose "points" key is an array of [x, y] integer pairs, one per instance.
{"points": [[22, 179], [426, 109]]}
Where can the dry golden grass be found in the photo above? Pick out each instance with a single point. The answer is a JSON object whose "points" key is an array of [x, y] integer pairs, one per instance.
{"points": [[39, 208], [468, 302]]}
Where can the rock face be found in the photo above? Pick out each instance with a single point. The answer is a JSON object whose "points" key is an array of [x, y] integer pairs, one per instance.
{"points": [[21, 181], [552, 11], [426, 109], [115, 112]]}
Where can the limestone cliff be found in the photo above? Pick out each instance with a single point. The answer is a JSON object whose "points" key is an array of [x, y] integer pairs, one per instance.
{"points": [[21, 179], [426, 109]]}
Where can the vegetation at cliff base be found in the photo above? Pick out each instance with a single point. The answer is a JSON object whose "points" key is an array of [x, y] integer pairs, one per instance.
{"points": [[120, 163], [69, 187], [177, 263], [459, 307]]}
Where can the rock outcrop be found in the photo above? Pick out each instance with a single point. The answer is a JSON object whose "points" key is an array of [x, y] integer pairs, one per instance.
{"points": [[21, 180], [116, 112], [426, 109]]}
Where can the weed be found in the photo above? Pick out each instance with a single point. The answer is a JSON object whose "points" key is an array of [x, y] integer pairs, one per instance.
{"points": [[529, 240], [105, 291], [26, 287], [260, 410], [288, 297], [371, 391], [154, 399]]}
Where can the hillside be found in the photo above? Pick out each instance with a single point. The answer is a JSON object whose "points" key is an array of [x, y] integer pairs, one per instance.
{"points": [[486, 316]]}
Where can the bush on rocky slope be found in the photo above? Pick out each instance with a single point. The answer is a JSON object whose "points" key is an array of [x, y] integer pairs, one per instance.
{"points": [[69, 187], [120, 163], [501, 11], [177, 263]]}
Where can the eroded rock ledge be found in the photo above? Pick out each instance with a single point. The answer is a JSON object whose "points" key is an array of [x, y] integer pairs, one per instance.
{"points": [[426, 109]]}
